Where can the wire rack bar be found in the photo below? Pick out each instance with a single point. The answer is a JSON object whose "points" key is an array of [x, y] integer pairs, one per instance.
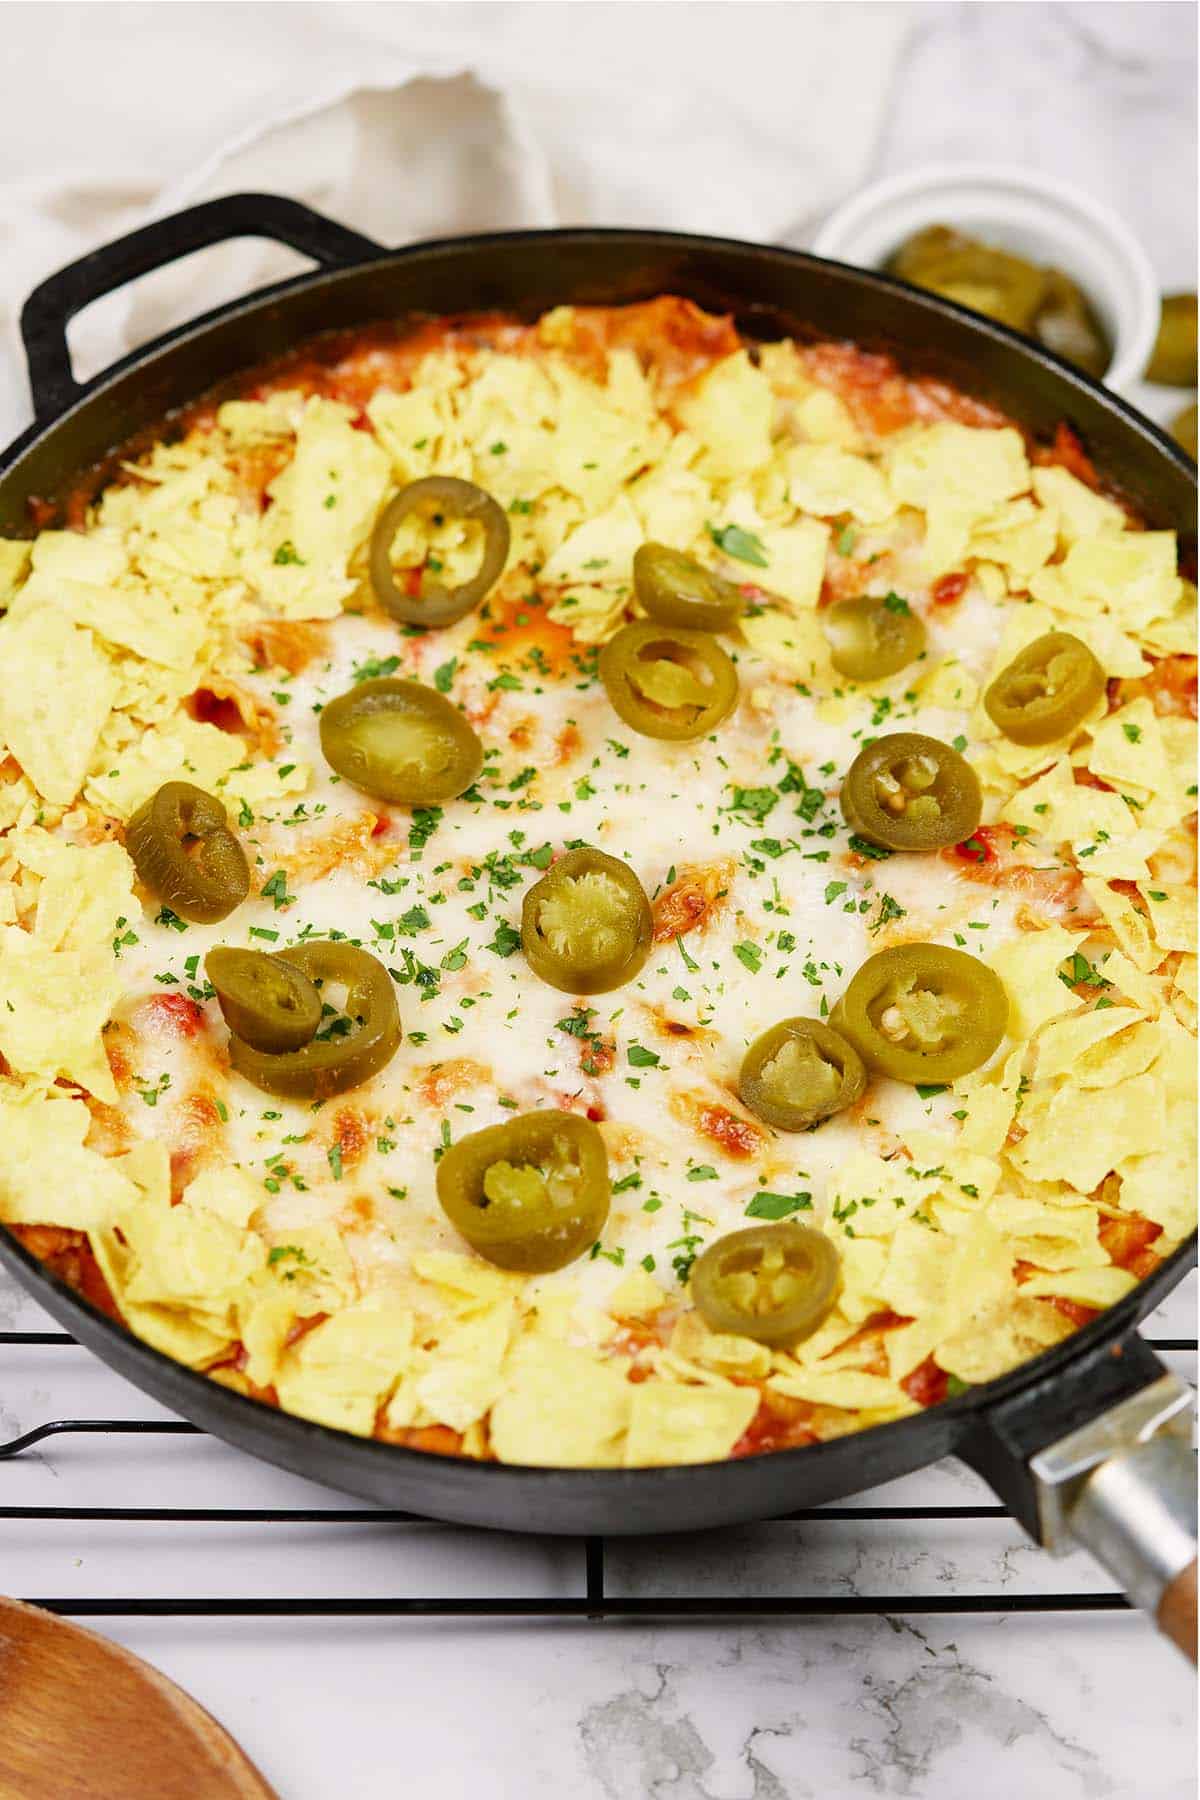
{"points": [[595, 1603], [687, 1606], [334, 1515], [98, 1428], [37, 1337]]}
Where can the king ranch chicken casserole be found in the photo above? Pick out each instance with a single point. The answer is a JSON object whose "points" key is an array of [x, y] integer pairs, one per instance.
{"points": [[597, 893]]}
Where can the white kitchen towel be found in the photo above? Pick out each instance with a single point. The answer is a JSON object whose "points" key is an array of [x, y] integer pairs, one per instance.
{"points": [[414, 121]]}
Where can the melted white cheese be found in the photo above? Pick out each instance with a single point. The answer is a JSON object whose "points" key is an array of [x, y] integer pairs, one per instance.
{"points": [[798, 919]]}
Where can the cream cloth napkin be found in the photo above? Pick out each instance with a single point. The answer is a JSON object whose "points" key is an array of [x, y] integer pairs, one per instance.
{"points": [[414, 121]]}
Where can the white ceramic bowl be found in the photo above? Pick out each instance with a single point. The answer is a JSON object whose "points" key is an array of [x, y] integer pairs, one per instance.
{"points": [[1045, 220]]}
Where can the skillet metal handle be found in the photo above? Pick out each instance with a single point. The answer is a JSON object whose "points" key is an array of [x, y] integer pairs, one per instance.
{"points": [[1098, 1453], [1124, 1486], [54, 302]]}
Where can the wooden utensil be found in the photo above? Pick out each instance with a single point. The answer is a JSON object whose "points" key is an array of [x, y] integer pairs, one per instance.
{"points": [[83, 1719]]}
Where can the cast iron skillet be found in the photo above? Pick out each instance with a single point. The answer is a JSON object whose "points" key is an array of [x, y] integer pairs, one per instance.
{"points": [[997, 1428]]}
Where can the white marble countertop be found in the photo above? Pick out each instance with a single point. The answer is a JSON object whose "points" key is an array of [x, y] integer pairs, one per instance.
{"points": [[1064, 1707]]}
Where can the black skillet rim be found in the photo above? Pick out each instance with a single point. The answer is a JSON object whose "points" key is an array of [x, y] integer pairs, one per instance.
{"points": [[957, 1413]]}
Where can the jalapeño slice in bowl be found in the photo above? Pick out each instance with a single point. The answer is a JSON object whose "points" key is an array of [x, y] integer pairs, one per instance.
{"points": [[872, 636], [921, 1012], [993, 281], [362, 1035], [1046, 690], [906, 791], [668, 682], [586, 925], [798, 1073], [677, 590], [531, 1194], [773, 1283], [400, 741], [186, 854], [1173, 363], [265, 1000], [438, 497]]}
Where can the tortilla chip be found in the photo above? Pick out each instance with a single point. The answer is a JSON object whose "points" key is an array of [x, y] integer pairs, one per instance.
{"points": [[699, 1351], [186, 1257], [1087, 1287], [1001, 1338], [1162, 1186], [464, 1376], [636, 1296], [831, 482], [56, 1004], [1079, 512], [1130, 927], [57, 692], [231, 1194], [1171, 910], [988, 1099], [1065, 1046], [14, 566], [850, 1388], [793, 640], [181, 751], [600, 551], [729, 409], [465, 1283], [1028, 965], [561, 1407], [1085, 1132], [47, 1174], [1134, 576], [795, 560], [672, 1425]]}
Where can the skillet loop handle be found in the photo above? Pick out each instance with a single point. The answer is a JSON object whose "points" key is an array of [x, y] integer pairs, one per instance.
{"points": [[54, 302]]}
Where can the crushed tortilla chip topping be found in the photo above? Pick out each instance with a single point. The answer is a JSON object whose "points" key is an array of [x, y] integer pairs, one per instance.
{"points": [[204, 606]]}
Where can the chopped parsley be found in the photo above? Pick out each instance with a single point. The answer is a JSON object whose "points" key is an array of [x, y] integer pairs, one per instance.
{"points": [[874, 852], [375, 667], [505, 941], [745, 546], [752, 803], [889, 909], [425, 821], [275, 890], [1077, 971], [777, 1206]]}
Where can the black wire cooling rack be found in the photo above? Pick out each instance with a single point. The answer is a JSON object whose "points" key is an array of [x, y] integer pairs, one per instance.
{"points": [[594, 1603]]}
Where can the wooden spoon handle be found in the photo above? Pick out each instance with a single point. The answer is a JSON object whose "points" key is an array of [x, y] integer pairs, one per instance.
{"points": [[1177, 1611]]}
